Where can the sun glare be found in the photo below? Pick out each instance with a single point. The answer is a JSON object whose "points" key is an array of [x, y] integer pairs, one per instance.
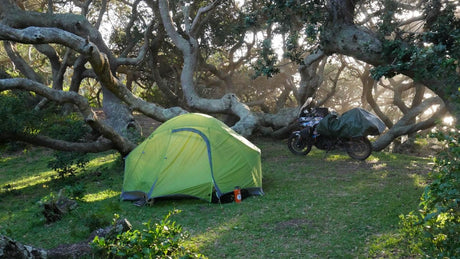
{"points": [[449, 120]]}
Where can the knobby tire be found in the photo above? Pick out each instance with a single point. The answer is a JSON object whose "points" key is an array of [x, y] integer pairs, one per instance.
{"points": [[359, 148], [298, 146]]}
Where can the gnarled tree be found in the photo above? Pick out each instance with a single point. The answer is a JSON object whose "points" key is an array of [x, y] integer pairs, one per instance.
{"points": [[165, 46]]}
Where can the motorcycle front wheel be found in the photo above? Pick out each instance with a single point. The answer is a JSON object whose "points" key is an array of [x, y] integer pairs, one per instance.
{"points": [[297, 145], [359, 148]]}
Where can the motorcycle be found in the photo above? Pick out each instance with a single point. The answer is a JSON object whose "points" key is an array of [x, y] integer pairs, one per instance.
{"points": [[300, 142]]}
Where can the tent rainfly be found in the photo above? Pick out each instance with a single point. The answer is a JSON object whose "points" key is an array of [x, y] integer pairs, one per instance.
{"points": [[192, 155]]}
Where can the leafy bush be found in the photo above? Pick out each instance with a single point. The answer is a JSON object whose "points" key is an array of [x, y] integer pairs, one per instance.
{"points": [[69, 128], [17, 118], [159, 240], [435, 229], [25, 120]]}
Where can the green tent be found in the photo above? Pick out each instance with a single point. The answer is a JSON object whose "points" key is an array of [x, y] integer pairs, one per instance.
{"points": [[192, 155]]}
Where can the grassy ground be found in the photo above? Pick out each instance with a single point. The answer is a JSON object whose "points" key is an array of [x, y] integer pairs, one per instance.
{"points": [[322, 206]]}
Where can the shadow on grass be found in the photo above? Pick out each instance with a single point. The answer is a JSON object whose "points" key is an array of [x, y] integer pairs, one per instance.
{"points": [[28, 180], [315, 206]]}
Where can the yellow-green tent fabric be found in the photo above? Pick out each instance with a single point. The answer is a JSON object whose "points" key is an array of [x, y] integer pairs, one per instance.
{"points": [[192, 155]]}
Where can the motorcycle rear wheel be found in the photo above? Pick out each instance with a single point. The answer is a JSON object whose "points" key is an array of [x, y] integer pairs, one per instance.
{"points": [[298, 146], [359, 148]]}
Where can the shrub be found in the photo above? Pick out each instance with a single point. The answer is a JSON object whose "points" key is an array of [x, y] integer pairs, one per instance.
{"points": [[158, 240], [69, 128], [17, 118], [24, 119], [435, 229]]}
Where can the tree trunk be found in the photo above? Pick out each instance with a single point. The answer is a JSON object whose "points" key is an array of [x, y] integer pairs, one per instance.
{"points": [[123, 145], [368, 84], [118, 115], [189, 47], [310, 79], [340, 35], [405, 126]]}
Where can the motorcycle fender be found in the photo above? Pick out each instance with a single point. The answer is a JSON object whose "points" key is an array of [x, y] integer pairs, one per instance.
{"points": [[297, 133]]}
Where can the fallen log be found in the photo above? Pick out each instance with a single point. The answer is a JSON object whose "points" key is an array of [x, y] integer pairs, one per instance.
{"points": [[10, 248]]}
